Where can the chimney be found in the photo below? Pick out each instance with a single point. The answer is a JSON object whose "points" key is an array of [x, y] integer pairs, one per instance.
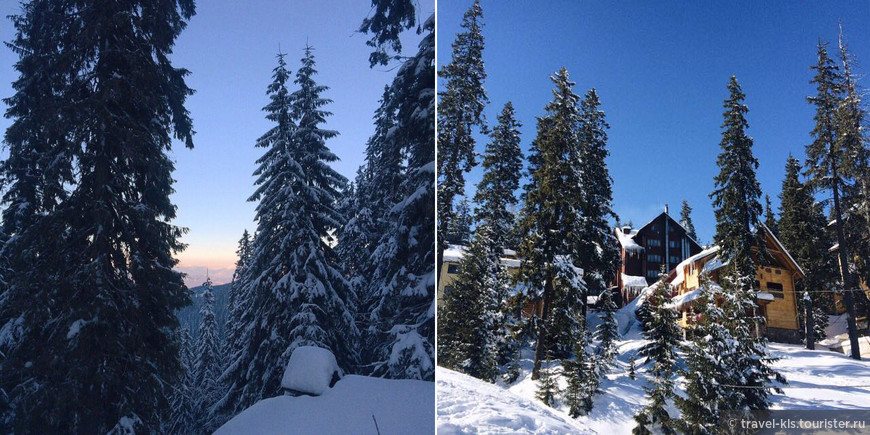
{"points": [[666, 209]]}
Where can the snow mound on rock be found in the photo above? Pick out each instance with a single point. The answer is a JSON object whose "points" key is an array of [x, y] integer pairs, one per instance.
{"points": [[310, 370], [356, 405]]}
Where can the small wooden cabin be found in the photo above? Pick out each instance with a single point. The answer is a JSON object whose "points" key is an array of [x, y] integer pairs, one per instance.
{"points": [[775, 283]]}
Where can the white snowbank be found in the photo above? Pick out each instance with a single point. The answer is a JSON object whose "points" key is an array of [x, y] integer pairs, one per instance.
{"points": [[351, 407], [310, 370], [467, 405]]}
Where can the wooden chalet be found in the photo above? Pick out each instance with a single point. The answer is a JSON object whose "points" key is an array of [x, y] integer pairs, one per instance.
{"points": [[644, 250], [775, 285]]}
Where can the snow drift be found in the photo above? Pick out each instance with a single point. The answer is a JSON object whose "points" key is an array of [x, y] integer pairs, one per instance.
{"points": [[354, 405]]}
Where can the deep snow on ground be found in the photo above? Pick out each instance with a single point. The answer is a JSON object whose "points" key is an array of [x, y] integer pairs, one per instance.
{"points": [[818, 379], [467, 405], [399, 406]]}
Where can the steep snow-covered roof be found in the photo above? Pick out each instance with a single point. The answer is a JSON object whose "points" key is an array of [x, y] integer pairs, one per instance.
{"points": [[455, 253], [626, 240], [680, 276], [782, 247]]}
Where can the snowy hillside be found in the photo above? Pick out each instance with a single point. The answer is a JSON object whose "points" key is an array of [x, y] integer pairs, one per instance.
{"points": [[469, 405], [355, 405], [818, 379]]}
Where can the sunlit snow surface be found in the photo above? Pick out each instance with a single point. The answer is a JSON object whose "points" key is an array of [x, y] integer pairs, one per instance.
{"points": [[399, 406], [818, 379]]}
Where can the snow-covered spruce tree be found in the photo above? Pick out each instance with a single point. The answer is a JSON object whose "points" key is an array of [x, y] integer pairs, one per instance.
{"points": [[709, 370], [239, 304], [377, 188], [183, 417], [459, 232], [402, 319], [502, 168], [389, 20], [548, 384], [577, 394], [686, 220], [208, 364], [662, 330], [596, 248], [300, 295], [802, 230], [829, 167], [550, 220], [770, 218], [98, 257], [664, 335], [851, 121], [740, 237], [467, 337], [607, 332], [460, 110]]}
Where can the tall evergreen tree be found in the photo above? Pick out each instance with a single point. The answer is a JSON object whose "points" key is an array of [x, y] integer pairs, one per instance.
{"points": [[851, 119], [770, 218], [737, 191], [502, 169], [551, 220], [686, 220], [802, 230], [95, 109], [402, 318], [495, 198], [300, 296], [830, 167], [239, 304], [183, 416], [377, 187], [207, 366], [460, 109], [596, 248], [740, 236]]}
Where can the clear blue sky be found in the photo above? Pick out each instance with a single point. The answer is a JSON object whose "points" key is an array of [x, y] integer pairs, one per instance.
{"points": [[230, 48], [661, 70]]}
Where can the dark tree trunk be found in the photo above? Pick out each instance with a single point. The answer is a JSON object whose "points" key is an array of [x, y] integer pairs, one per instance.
{"points": [[541, 345], [849, 283]]}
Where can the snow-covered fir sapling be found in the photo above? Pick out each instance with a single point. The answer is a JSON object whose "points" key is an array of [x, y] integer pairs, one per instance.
{"points": [[664, 335], [607, 332], [576, 394], [548, 383], [632, 369], [467, 340]]}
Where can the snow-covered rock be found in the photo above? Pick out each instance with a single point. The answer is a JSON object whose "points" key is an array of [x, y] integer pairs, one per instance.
{"points": [[310, 370], [354, 406]]}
